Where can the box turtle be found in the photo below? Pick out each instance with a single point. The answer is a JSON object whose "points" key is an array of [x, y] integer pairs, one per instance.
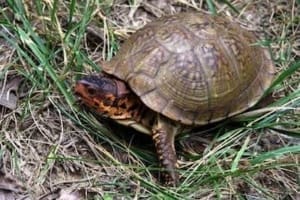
{"points": [[178, 72]]}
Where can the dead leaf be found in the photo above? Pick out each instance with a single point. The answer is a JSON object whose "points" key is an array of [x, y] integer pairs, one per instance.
{"points": [[69, 195], [62, 194], [10, 188], [8, 93]]}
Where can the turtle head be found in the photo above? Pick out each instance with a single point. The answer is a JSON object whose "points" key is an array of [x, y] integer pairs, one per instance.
{"points": [[108, 96]]}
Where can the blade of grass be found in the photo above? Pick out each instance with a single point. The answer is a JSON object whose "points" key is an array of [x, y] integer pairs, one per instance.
{"points": [[275, 153], [270, 119], [48, 165], [211, 7], [44, 63], [54, 10], [79, 30], [282, 76], [72, 8], [39, 50], [230, 6], [234, 165], [289, 132]]}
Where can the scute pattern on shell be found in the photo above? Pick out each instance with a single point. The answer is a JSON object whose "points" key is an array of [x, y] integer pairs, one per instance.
{"points": [[194, 68]]}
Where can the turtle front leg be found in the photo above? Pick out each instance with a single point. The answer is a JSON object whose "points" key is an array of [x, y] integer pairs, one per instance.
{"points": [[164, 133]]}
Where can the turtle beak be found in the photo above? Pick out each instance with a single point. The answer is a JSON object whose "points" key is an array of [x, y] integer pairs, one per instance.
{"points": [[79, 88]]}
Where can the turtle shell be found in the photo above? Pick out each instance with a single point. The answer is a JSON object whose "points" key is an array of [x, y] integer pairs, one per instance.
{"points": [[194, 68]]}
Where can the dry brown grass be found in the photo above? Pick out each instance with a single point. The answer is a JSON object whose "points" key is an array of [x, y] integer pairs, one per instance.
{"points": [[55, 154]]}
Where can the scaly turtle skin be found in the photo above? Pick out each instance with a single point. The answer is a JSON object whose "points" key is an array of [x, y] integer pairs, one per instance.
{"points": [[177, 72]]}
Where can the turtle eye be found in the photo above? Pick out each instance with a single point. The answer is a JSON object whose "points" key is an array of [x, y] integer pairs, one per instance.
{"points": [[91, 91]]}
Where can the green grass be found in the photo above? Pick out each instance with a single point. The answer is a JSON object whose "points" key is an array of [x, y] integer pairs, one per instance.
{"points": [[51, 53]]}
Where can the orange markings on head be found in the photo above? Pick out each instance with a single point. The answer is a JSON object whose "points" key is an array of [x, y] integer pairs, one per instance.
{"points": [[107, 97]]}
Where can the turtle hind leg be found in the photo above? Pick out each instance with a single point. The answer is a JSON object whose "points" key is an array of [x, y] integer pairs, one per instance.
{"points": [[163, 136]]}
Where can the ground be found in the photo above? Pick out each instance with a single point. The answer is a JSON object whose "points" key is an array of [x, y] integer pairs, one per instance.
{"points": [[52, 148]]}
